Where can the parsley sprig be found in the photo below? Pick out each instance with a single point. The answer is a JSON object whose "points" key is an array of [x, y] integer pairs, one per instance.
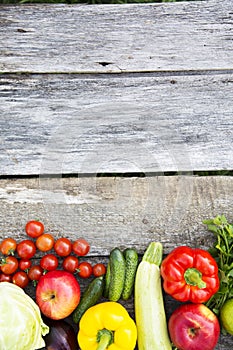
{"points": [[222, 251]]}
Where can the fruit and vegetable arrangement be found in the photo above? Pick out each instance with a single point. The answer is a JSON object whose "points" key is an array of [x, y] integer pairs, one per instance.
{"points": [[63, 315]]}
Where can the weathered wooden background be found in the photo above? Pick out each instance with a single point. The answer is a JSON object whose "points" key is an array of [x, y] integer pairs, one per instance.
{"points": [[89, 94]]}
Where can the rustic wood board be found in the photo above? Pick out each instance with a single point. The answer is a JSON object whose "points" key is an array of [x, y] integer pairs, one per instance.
{"points": [[111, 38], [116, 211], [148, 123]]}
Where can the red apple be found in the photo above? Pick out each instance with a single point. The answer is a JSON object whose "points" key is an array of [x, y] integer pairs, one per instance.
{"points": [[57, 294], [194, 327]]}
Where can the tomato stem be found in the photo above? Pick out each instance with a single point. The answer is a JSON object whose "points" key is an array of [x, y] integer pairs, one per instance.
{"points": [[193, 277]]}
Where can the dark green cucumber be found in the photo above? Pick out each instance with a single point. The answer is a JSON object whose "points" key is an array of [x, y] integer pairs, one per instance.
{"points": [[131, 260], [90, 296], [117, 275], [107, 281]]}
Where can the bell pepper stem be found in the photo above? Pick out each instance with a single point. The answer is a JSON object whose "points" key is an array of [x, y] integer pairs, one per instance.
{"points": [[193, 277], [104, 338]]}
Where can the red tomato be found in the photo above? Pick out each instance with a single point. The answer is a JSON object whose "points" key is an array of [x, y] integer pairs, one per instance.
{"points": [[70, 263], [63, 246], [25, 264], [21, 279], [99, 269], [45, 242], [26, 249], [49, 262], [84, 269], [34, 228], [9, 265], [5, 278], [81, 247], [35, 272], [8, 246]]}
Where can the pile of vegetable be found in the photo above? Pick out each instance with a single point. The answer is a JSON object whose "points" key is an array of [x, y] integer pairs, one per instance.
{"points": [[17, 263], [62, 315]]}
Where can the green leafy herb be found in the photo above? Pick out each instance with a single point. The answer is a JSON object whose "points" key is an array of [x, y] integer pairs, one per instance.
{"points": [[222, 251]]}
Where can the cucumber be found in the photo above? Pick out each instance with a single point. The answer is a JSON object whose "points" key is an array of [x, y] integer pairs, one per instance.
{"points": [[131, 260], [117, 275], [107, 281], [90, 296]]}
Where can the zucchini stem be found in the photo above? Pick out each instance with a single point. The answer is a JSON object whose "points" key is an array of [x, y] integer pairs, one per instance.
{"points": [[154, 253]]}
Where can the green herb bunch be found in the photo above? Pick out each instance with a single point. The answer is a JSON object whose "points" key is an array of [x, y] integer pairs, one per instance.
{"points": [[222, 251]]}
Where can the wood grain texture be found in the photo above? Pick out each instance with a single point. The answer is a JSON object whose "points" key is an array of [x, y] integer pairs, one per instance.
{"points": [[118, 211], [153, 123], [111, 38]]}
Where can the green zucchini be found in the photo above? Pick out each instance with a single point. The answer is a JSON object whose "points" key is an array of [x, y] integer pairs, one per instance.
{"points": [[117, 275], [149, 305], [90, 296], [131, 260]]}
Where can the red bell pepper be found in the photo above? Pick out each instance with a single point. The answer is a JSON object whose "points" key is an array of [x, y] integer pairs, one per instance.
{"points": [[190, 274]]}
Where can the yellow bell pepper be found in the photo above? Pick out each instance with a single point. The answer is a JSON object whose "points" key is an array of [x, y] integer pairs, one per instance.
{"points": [[105, 326]]}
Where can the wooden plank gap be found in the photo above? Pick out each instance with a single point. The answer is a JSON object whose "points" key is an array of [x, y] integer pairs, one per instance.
{"points": [[121, 175], [119, 74]]}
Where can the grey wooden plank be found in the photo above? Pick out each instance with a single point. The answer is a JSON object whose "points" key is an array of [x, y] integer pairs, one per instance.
{"points": [[129, 123], [111, 38], [116, 211]]}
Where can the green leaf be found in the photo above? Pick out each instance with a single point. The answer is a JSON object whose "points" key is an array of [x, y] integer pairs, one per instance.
{"points": [[214, 252], [217, 221], [216, 311], [223, 219], [223, 289], [213, 228], [208, 221], [229, 230], [223, 277], [221, 249]]}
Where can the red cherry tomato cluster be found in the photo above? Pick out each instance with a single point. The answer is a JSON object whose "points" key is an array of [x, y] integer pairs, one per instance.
{"points": [[17, 266]]}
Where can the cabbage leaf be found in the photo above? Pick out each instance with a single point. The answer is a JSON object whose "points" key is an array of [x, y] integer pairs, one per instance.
{"points": [[21, 324]]}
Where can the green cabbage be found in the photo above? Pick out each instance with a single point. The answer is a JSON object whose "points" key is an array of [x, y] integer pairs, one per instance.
{"points": [[21, 325]]}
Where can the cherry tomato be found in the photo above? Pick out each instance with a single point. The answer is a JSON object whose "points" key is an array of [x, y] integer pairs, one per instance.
{"points": [[63, 246], [70, 263], [8, 246], [81, 247], [9, 265], [99, 269], [26, 249], [45, 242], [5, 278], [34, 228], [84, 269], [25, 264], [49, 262], [21, 279], [35, 272]]}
